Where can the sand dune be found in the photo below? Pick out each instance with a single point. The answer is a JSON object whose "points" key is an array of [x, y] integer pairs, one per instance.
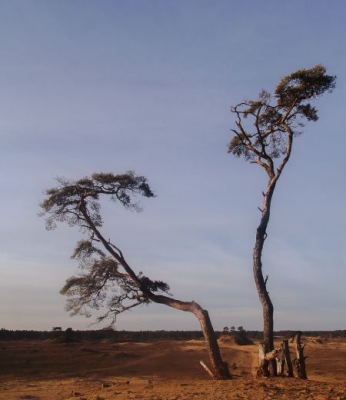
{"points": [[165, 369]]}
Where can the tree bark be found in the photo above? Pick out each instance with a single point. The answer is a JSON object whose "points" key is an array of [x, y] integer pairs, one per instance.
{"points": [[300, 359]]}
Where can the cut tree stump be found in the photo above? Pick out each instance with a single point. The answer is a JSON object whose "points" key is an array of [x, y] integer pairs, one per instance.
{"points": [[280, 362], [299, 362], [263, 361], [287, 355]]}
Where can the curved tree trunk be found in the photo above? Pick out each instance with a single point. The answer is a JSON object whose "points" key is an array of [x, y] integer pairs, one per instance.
{"points": [[219, 368]]}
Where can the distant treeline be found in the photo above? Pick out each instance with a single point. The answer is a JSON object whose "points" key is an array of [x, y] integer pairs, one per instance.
{"points": [[69, 335], [114, 335]]}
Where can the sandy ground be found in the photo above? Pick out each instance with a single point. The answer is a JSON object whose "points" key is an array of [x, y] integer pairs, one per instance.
{"points": [[159, 370]]}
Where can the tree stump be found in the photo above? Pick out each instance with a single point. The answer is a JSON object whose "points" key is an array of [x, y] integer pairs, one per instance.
{"points": [[287, 355], [280, 362], [262, 361], [299, 362]]}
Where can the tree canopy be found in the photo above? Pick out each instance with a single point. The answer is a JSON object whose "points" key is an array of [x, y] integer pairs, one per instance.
{"points": [[277, 118], [102, 278]]}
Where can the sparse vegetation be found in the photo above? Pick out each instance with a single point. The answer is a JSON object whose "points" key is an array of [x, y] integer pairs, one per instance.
{"points": [[49, 369], [239, 336]]}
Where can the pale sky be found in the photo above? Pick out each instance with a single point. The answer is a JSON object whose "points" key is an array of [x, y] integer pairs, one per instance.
{"points": [[110, 86]]}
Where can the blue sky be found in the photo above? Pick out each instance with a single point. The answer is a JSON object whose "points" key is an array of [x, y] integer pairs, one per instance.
{"points": [[98, 86]]}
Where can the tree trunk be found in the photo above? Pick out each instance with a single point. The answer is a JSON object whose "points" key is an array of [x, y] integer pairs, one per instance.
{"points": [[300, 360], [219, 367], [261, 235], [263, 294]]}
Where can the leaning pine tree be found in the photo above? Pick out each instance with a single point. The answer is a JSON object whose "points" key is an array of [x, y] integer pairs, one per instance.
{"points": [[106, 278], [264, 134]]}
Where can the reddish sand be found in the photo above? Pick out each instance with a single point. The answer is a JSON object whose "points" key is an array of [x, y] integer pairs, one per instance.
{"points": [[159, 370]]}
